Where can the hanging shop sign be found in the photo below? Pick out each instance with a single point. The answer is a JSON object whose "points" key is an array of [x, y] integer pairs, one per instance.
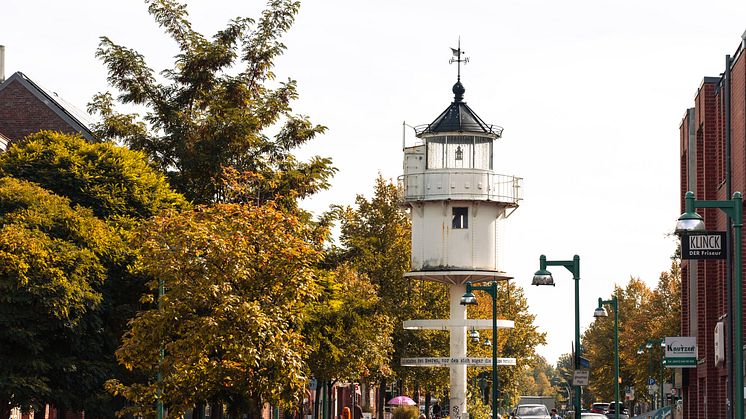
{"points": [[704, 245], [681, 352]]}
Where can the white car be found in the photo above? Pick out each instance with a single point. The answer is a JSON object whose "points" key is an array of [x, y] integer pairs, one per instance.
{"points": [[530, 411]]}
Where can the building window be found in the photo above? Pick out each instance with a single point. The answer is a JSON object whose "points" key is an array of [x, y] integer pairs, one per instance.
{"points": [[460, 217]]}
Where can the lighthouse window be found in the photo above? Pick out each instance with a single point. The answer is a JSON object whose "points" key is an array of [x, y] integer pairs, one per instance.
{"points": [[460, 217]]}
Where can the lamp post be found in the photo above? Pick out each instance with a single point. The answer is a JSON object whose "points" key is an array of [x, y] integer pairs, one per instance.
{"points": [[601, 312], [544, 277], [469, 299], [691, 221]]}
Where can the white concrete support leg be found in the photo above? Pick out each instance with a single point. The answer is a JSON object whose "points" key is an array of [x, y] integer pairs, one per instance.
{"points": [[458, 350]]}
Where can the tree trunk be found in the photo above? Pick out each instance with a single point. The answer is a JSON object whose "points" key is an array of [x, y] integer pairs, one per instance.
{"points": [[5, 408], [216, 409], [381, 402], [329, 400], [61, 413], [199, 411], [317, 399], [39, 414], [255, 409]]}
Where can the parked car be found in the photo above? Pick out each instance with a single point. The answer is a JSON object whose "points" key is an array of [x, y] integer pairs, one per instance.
{"points": [[530, 411], [592, 416], [623, 412], [600, 407]]}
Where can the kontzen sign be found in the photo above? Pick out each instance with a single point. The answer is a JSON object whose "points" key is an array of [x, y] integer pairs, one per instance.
{"points": [[704, 245]]}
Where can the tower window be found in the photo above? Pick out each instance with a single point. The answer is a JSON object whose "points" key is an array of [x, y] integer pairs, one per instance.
{"points": [[460, 217]]}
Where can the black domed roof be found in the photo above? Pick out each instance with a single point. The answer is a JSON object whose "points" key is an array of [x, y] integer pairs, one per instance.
{"points": [[459, 117]]}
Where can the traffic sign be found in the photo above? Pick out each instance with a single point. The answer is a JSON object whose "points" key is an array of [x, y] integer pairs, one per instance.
{"points": [[651, 381], [580, 378]]}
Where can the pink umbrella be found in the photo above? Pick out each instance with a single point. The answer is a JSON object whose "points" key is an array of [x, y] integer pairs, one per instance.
{"points": [[402, 401]]}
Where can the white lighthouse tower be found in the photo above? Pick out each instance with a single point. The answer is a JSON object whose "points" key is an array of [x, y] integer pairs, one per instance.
{"points": [[456, 202]]}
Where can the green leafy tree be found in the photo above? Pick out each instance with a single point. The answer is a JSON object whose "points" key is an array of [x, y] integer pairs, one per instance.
{"points": [[238, 279], [206, 117], [113, 182], [348, 338], [530, 372], [119, 187], [53, 259], [376, 240]]}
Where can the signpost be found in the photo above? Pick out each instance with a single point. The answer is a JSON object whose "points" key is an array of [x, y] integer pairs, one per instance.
{"points": [[704, 245]]}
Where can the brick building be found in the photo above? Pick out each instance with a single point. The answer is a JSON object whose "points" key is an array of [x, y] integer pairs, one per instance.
{"points": [[25, 108], [713, 166]]}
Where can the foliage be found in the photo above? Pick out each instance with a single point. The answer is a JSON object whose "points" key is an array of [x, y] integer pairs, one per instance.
{"points": [[375, 238], [211, 110], [644, 315], [519, 342], [112, 181], [349, 340], [118, 186], [405, 412], [237, 280], [53, 259], [476, 405]]}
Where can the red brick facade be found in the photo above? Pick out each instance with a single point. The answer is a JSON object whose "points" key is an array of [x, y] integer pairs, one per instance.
{"points": [[25, 108], [704, 283]]}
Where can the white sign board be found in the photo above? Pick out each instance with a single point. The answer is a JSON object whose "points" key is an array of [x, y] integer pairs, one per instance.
{"points": [[444, 362], [681, 352], [653, 389], [580, 378]]}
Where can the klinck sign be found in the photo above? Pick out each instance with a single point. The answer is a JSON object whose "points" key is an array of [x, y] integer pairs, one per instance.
{"points": [[681, 352], [703, 245]]}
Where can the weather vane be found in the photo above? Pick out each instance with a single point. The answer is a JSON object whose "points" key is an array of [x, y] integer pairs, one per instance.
{"points": [[457, 58]]}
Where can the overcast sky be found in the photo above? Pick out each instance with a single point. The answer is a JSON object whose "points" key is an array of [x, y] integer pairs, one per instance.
{"points": [[590, 93]]}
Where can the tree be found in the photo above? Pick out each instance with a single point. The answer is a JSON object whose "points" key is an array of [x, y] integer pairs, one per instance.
{"points": [[376, 240], [530, 371], [53, 259], [238, 279], [119, 187], [348, 338], [113, 182], [204, 123]]}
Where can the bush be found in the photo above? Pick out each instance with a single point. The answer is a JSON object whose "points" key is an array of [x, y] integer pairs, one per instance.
{"points": [[406, 412]]}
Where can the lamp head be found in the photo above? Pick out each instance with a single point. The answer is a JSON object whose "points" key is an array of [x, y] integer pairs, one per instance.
{"points": [[639, 351], [688, 222], [487, 343], [543, 277], [663, 343], [474, 335], [649, 345], [600, 312], [468, 299]]}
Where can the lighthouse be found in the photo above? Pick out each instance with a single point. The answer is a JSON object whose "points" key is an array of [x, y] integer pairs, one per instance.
{"points": [[456, 202]]}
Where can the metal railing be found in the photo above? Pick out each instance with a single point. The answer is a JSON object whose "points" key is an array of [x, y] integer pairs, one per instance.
{"points": [[474, 184]]}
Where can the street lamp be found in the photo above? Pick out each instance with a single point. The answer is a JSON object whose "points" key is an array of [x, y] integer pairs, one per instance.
{"points": [[544, 277], [469, 299], [601, 312], [691, 221]]}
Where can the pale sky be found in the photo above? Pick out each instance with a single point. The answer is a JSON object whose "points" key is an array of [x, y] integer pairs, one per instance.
{"points": [[590, 93]]}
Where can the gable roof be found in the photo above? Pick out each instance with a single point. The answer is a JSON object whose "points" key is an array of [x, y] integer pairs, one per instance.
{"points": [[74, 117]]}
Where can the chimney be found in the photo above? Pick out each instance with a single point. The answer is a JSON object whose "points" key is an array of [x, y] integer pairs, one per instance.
{"points": [[2, 63]]}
